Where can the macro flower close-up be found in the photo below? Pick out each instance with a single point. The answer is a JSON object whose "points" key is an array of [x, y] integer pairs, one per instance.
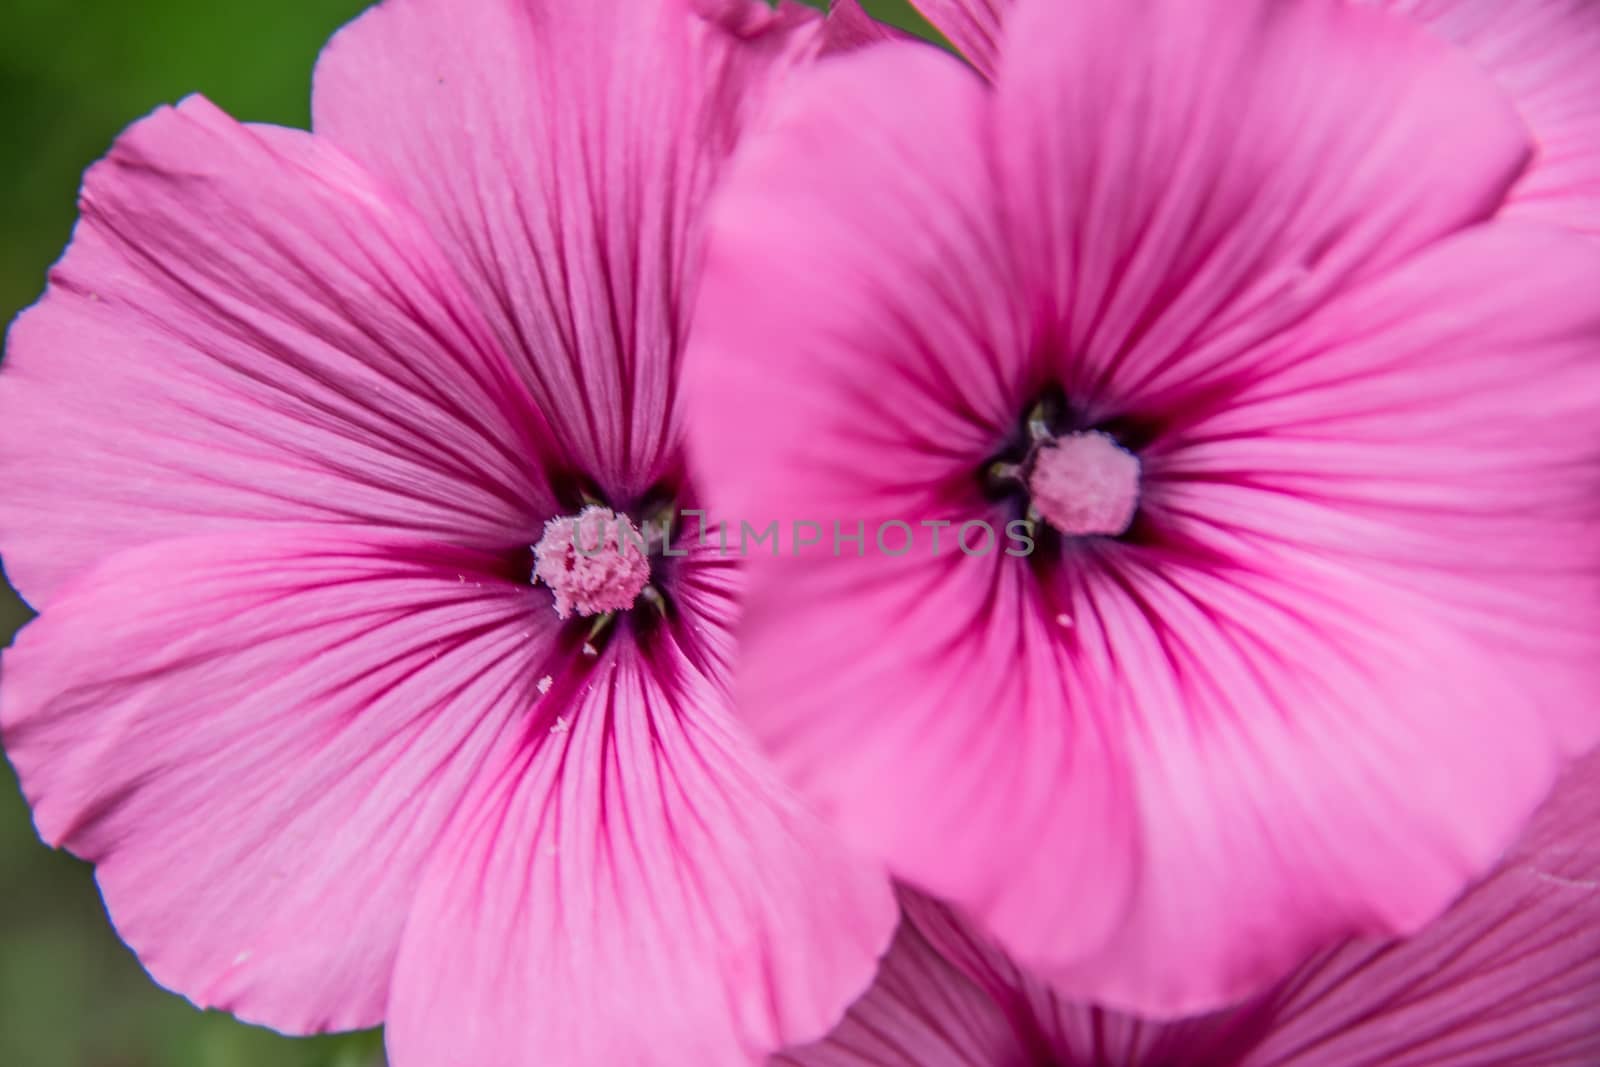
{"points": [[801, 533], [281, 446], [1217, 308]]}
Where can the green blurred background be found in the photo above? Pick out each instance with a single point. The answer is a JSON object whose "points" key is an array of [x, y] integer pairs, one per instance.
{"points": [[73, 73]]}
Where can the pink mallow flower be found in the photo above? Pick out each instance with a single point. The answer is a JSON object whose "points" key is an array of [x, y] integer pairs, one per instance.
{"points": [[1508, 977], [277, 446], [1544, 54], [1238, 265]]}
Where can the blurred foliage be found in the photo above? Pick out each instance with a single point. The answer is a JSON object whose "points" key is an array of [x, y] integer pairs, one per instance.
{"points": [[73, 74]]}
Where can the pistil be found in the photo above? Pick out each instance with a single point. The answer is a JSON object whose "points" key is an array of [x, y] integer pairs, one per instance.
{"points": [[594, 562], [1085, 484]]}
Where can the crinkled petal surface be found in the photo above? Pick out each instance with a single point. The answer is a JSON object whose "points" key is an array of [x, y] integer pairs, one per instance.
{"points": [[248, 328], [1509, 975], [1351, 638]]}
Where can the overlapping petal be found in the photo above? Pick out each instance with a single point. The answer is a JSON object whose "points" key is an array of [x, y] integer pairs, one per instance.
{"points": [[1003, 787], [561, 153], [1510, 974], [849, 27], [1545, 55], [923, 1009], [921, 281], [884, 706], [973, 26]]}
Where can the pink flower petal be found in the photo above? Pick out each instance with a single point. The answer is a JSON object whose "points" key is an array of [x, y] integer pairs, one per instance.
{"points": [[922, 1011], [248, 328], [258, 738], [850, 27], [845, 27], [1066, 1033], [929, 294], [1509, 975], [973, 26], [1193, 175], [1545, 54], [964, 747], [561, 153], [642, 893], [1427, 438]]}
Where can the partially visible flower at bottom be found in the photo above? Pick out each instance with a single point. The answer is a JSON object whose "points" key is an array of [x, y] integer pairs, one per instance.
{"points": [[1510, 975]]}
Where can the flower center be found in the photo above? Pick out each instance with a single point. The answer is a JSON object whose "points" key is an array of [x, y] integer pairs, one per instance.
{"points": [[1085, 484], [595, 562]]}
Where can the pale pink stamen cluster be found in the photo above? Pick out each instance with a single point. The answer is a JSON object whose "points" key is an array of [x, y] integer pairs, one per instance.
{"points": [[1086, 484], [592, 561]]}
